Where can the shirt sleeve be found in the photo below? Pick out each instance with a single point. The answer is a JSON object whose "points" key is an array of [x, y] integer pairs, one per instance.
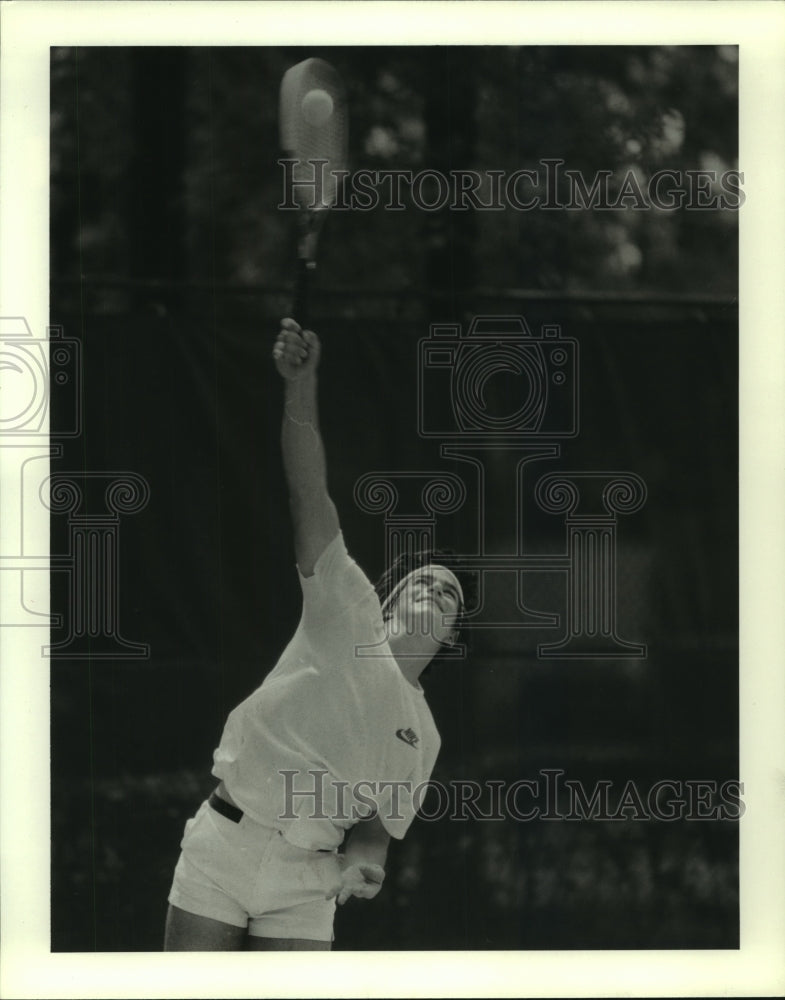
{"points": [[337, 584]]}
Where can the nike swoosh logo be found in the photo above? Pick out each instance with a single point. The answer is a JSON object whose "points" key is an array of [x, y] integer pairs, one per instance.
{"points": [[408, 736]]}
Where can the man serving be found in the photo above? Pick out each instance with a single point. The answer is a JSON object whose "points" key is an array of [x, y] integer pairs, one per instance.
{"points": [[335, 744]]}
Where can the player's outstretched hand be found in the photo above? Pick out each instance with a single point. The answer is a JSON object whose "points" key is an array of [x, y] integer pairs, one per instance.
{"points": [[361, 880], [296, 351]]}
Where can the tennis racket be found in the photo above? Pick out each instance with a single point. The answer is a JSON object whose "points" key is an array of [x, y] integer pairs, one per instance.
{"points": [[314, 127]]}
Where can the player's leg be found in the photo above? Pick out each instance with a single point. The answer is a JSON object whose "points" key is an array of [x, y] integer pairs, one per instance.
{"points": [[286, 944], [296, 905], [189, 932], [207, 908]]}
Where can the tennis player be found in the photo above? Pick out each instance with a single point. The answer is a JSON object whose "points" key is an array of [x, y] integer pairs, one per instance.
{"points": [[334, 749]]}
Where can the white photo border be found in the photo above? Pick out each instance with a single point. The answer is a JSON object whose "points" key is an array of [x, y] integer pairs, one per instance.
{"points": [[28, 968]]}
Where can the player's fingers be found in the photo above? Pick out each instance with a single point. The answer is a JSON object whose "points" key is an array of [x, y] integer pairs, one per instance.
{"points": [[372, 873], [290, 324], [288, 355], [312, 343], [295, 337], [290, 345], [290, 335], [294, 353]]}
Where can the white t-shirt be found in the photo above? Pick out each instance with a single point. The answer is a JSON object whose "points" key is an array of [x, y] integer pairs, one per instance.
{"points": [[336, 730]]}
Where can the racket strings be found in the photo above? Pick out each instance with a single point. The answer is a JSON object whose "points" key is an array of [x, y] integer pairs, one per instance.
{"points": [[319, 149]]}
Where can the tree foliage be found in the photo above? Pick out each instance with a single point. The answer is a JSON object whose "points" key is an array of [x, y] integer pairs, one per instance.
{"points": [[164, 164]]}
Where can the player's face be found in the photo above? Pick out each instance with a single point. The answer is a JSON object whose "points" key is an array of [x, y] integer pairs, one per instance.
{"points": [[428, 602]]}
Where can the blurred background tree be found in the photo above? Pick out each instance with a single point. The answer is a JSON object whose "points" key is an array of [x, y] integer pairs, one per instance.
{"points": [[178, 179]]}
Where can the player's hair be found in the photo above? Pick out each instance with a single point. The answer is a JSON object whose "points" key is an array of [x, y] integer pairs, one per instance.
{"points": [[408, 562]]}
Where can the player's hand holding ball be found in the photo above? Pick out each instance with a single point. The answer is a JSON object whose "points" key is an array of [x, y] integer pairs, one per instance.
{"points": [[361, 880], [296, 351]]}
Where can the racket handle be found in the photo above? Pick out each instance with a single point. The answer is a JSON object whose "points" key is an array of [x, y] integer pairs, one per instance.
{"points": [[300, 311]]}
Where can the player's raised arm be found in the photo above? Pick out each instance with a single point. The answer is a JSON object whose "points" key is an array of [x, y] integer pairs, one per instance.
{"points": [[315, 518]]}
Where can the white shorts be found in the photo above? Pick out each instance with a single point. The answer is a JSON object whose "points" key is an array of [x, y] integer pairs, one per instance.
{"points": [[249, 875]]}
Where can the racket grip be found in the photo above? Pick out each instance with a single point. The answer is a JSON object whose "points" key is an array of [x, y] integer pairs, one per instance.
{"points": [[301, 289]]}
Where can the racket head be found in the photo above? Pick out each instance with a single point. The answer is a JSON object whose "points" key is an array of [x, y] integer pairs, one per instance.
{"points": [[307, 141]]}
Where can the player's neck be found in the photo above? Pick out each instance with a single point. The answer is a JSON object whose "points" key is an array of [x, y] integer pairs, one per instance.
{"points": [[410, 656]]}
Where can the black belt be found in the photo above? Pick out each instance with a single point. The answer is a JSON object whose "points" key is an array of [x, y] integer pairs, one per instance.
{"points": [[235, 815], [225, 808]]}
